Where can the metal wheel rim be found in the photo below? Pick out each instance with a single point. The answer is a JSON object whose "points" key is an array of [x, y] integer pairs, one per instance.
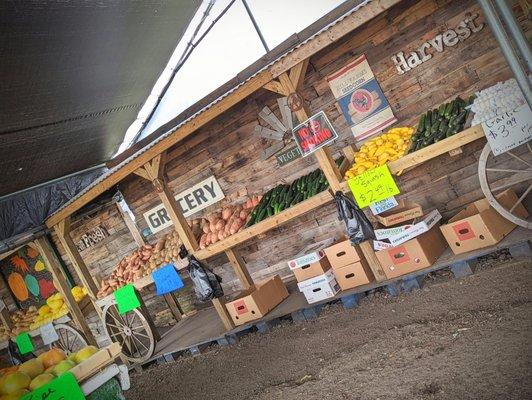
{"points": [[131, 330], [70, 339], [486, 189]]}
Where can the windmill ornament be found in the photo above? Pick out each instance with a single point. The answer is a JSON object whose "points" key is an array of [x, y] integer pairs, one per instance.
{"points": [[278, 134]]}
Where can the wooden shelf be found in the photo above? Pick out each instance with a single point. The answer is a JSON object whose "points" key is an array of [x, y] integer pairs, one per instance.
{"points": [[264, 226]]}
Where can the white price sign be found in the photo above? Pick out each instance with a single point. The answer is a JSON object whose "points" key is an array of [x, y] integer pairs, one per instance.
{"points": [[383, 205], [509, 130], [48, 334]]}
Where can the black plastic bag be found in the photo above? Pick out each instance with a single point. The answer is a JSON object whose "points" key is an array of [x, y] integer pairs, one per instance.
{"points": [[359, 229], [206, 283]]}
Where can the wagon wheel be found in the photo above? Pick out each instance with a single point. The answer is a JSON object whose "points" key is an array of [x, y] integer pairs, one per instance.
{"points": [[70, 339], [519, 175], [131, 330]]}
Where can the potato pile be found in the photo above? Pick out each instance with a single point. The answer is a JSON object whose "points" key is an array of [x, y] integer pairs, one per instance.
{"points": [[230, 220], [22, 320], [128, 270], [165, 251]]}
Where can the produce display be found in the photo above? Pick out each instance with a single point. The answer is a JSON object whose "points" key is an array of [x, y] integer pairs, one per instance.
{"points": [[440, 123], [381, 149], [54, 308], [17, 381], [22, 320], [5, 334]]}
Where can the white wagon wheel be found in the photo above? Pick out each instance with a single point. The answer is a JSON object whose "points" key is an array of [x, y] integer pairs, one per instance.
{"points": [[131, 330], [518, 175], [70, 339]]}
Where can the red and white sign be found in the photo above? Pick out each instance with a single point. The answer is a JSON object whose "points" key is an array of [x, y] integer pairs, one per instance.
{"points": [[314, 133]]}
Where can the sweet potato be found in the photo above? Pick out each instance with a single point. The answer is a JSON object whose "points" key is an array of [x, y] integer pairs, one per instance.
{"points": [[226, 212], [220, 225]]}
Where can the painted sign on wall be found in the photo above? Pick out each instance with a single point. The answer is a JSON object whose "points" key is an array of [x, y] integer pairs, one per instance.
{"points": [[192, 200], [89, 239], [361, 99]]}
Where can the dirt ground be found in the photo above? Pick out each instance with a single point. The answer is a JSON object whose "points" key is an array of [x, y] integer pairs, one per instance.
{"points": [[454, 339]]}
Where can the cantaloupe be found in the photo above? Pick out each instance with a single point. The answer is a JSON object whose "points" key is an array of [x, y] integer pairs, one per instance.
{"points": [[40, 380], [32, 367], [14, 381], [85, 353], [53, 357]]}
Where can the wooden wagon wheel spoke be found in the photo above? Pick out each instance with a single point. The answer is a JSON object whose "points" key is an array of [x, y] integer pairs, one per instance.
{"points": [[521, 198], [139, 341], [113, 325], [516, 179], [69, 338], [141, 335], [132, 341], [519, 158], [506, 170]]}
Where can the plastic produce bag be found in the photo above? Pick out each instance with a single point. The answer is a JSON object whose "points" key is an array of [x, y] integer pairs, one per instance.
{"points": [[359, 228], [206, 283]]}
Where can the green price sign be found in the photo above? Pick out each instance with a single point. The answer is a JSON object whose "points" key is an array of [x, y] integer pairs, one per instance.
{"points": [[126, 299], [62, 388], [372, 186], [24, 343]]}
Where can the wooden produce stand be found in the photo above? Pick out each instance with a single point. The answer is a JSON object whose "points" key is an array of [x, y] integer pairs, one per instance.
{"points": [[284, 76]]}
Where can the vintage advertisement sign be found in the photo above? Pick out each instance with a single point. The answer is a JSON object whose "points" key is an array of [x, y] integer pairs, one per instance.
{"points": [[195, 199], [314, 133], [91, 238], [361, 99], [509, 130]]}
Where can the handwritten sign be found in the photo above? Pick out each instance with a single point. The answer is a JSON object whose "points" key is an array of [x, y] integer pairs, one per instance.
{"points": [[314, 133], [48, 333], [167, 279], [63, 388], [383, 205], [372, 186], [509, 130], [24, 343], [126, 299]]}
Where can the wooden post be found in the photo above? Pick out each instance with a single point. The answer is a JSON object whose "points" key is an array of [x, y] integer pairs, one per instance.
{"points": [[153, 171], [52, 263], [373, 261], [240, 268], [219, 305], [173, 305], [6, 318], [131, 226], [62, 229]]}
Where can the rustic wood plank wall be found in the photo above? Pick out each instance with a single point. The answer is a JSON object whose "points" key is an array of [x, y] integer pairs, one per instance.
{"points": [[227, 148]]}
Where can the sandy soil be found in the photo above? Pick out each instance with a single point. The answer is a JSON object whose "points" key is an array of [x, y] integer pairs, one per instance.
{"points": [[454, 339]]}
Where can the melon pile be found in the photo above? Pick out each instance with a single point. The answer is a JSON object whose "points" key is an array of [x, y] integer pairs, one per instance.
{"points": [[15, 382]]}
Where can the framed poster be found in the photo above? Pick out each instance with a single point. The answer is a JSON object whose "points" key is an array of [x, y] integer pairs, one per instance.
{"points": [[314, 133], [361, 99]]}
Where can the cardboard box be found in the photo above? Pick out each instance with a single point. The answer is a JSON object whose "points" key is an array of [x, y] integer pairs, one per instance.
{"points": [[310, 254], [405, 211], [257, 301], [320, 287], [342, 254], [480, 225], [353, 275], [417, 229], [311, 270], [380, 245], [418, 253], [381, 234]]}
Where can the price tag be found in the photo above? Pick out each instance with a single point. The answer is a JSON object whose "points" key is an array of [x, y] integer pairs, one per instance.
{"points": [[126, 299], [383, 205], [62, 388], [48, 333], [167, 279], [372, 186], [509, 130], [24, 343]]}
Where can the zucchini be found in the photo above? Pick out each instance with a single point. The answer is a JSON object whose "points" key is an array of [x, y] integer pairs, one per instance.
{"points": [[441, 110], [421, 125]]}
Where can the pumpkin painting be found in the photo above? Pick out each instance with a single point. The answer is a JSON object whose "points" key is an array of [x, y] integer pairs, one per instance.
{"points": [[18, 286]]}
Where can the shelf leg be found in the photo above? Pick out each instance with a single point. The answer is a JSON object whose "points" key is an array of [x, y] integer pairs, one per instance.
{"points": [[219, 305], [240, 268], [173, 305], [373, 261]]}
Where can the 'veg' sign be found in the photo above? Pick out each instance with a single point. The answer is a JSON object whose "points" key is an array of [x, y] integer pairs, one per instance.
{"points": [[196, 198]]}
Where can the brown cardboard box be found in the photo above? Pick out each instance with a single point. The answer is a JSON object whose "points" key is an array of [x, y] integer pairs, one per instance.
{"points": [[353, 275], [480, 225], [312, 270], [342, 254], [257, 301], [405, 211], [418, 253]]}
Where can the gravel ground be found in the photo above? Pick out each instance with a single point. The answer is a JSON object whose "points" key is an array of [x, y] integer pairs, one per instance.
{"points": [[454, 339]]}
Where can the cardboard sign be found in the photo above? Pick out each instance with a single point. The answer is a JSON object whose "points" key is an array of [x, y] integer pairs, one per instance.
{"points": [[310, 254], [24, 343], [167, 279], [380, 245], [383, 205], [65, 387], [417, 229], [126, 299], [287, 156], [361, 99], [195, 199], [48, 333], [387, 233], [509, 130], [372, 186], [314, 133]]}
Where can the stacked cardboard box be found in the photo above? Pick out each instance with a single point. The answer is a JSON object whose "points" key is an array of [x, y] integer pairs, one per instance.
{"points": [[349, 265]]}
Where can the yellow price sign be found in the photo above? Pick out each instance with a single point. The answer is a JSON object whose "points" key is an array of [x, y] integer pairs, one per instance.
{"points": [[372, 186]]}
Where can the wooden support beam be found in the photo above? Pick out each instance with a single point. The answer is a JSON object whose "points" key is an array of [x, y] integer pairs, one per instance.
{"points": [[276, 87], [240, 268], [219, 305], [6, 318], [131, 226], [53, 266], [62, 229], [297, 73], [153, 171], [373, 261], [173, 306]]}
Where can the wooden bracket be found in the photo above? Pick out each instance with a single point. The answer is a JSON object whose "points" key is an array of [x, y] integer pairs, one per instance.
{"points": [[219, 305], [240, 268], [131, 226], [276, 87], [297, 73]]}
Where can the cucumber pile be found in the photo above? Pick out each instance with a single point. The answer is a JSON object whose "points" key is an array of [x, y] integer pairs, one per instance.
{"points": [[440, 123], [285, 196]]}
